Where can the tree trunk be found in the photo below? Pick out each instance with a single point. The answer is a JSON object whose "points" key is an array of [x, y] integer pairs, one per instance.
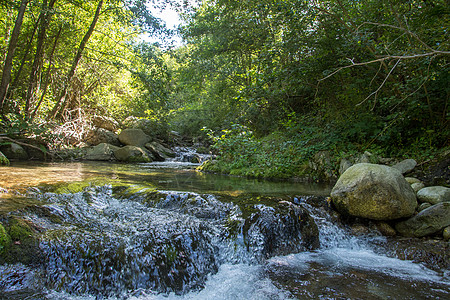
{"points": [[25, 56], [61, 101], [47, 76], [6, 75], [45, 16]]}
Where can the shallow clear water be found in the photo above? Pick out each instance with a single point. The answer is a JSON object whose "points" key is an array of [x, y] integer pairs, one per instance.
{"points": [[165, 231]]}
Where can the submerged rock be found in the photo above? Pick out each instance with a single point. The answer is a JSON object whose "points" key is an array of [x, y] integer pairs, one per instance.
{"points": [[285, 229], [434, 194], [426, 222], [374, 192]]}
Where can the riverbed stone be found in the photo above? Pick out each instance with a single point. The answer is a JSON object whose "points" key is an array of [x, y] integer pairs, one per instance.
{"points": [[405, 166], [446, 233], [132, 154], [434, 194], [412, 180], [386, 229], [417, 186], [423, 206], [426, 222], [161, 150], [134, 137], [14, 151], [101, 152], [280, 230], [374, 192]]}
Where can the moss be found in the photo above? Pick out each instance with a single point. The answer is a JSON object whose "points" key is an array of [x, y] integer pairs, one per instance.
{"points": [[171, 254], [3, 159], [19, 230], [5, 240], [21, 245]]}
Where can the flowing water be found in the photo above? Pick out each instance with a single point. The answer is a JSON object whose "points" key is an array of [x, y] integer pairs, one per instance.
{"points": [[165, 231]]}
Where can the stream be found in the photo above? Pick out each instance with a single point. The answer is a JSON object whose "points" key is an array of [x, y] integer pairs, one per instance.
{"points": [[166, 231]]}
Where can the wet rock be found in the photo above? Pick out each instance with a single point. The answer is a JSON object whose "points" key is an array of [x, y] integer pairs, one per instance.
{"points": [[405, 166], [386, 229], [14, 151], [101, 135], [432, 253], [132, 154], [434, 194], [374, 192], [20, 242], [134, 137], [423, 206], [280, 230], [161, 150], [417, 186], [426, 222], [101, 152], [105, 123], [5, 240], [446, 233]]}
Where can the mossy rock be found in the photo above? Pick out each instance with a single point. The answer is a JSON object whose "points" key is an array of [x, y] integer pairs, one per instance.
{"points": [[3, 159], [5, 240], [19, 230], [21, 243]]}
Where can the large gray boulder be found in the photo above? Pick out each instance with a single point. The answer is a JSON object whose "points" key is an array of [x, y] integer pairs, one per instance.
{"points": [[134, 137], [374, 192], [434, 194], [101, 152], [132, 154], [426, 222]]}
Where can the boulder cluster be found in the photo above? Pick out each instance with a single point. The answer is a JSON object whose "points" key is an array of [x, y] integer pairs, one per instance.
{"points": [[382, 193], [138, 142]]}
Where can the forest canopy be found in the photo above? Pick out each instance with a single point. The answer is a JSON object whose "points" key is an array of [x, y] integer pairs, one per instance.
{"points": [[305, 75]]}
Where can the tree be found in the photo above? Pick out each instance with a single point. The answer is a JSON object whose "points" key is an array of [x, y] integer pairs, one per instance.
{"points": [[7, 67]]}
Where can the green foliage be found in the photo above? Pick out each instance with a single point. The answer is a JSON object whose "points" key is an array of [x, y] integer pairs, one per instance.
{"points": [[3, 159]]}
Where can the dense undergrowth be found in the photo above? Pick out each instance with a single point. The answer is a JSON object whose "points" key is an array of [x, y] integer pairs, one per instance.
{"points": [[291, 153]]}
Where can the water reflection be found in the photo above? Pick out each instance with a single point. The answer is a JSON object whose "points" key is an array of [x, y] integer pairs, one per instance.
{"points": [[174, 176]]}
